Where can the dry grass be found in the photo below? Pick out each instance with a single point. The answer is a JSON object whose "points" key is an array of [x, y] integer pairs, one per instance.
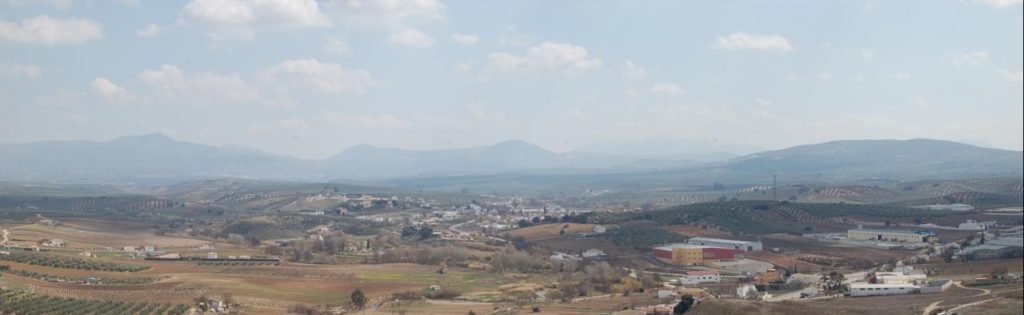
{"points": [[547, 231]]}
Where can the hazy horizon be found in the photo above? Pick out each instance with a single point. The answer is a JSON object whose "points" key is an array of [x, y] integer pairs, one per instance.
{"points": [[443, 74]]}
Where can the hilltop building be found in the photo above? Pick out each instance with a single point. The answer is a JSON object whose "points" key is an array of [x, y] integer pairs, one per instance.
{"points": [[745, 246]]}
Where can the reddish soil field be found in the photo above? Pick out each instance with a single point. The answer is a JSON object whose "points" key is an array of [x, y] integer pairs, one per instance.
{"points": [[547, 231]]}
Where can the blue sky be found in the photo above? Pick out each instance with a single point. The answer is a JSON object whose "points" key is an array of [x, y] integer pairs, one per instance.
{"points": [[310, 78]]}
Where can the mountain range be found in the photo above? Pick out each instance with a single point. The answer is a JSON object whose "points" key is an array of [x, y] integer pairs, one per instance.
{"points": [[156, 158]]}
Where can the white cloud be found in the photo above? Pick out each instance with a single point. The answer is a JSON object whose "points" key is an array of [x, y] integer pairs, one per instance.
{"points": [[999, 3], [151, 30], [823, 76], [1013, 76], [109, 91], [26, 71], [391, 14], [411, 37], [239, 19], [859, 77], [973, 58], [45, 30], [335, 45], [563, 57], [466, 39], [328, 78], [747, 41], [667, 88], [867, 53], [634, 71], [173, 83], [59, 4]]}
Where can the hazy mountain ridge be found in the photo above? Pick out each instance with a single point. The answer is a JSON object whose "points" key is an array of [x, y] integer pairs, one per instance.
{"points": [[156, 157]]}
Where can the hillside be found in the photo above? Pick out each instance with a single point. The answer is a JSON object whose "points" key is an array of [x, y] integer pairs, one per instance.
{"points": [[157, 159], [765, 217], [145, 158], [851, 159]]}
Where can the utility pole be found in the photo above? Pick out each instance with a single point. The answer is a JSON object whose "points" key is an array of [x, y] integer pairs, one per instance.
{"points": [[775, 187]]}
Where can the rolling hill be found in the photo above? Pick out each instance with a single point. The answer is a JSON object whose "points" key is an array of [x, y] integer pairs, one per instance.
{"points": [[157, 159]]}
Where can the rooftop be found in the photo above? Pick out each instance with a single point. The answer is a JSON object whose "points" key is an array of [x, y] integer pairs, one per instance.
{"points": [[719, 240], [921, 232], [880, 285], [701, 273]]}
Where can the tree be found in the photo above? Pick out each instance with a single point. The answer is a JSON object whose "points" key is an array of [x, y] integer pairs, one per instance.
{"points": [[358, 298], [408, 231], [683, 305], [426, 232], [471, 312], [832, 283]]}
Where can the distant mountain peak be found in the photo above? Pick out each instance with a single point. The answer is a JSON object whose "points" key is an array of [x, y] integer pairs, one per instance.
{"points": [[149, 137]]}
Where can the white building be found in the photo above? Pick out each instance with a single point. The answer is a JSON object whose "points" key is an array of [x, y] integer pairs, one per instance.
{"points": [[599, 229], [745, 246], [700, 276], [900, 278], [211, 255], [974, 225], [746, 291], [869, 289], [906, 236], [593, 253]]}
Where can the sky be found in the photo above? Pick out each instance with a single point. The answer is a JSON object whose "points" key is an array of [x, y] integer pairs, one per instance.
{"points": [[310, 78]]}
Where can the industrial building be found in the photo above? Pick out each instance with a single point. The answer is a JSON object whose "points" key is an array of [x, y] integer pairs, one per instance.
{"points": [[724, 243], [700, 276], [905, 236], [869, 289], [687, 254]]}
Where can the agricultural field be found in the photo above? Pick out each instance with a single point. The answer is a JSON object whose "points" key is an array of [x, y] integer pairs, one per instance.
{"points": [[762, 217], [93, 235], [552, 230], [19, 302]]}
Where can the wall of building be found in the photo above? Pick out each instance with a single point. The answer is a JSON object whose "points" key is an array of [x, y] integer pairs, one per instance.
{"points": [[710, 253]]}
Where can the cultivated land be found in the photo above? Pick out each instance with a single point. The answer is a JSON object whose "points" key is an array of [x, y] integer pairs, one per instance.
{"points": [[306, 248]]}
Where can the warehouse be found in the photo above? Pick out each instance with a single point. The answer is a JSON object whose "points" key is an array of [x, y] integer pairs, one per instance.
{"points": [[869, 289], [686, 254], [724, 243], [906, 236]]}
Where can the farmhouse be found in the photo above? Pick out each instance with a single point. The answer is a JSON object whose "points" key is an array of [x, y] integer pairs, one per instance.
{"points": [[598, 229], [906, 236], [687, 254], [724, 243], [700, 276], [975, 225], [593, 253]]}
